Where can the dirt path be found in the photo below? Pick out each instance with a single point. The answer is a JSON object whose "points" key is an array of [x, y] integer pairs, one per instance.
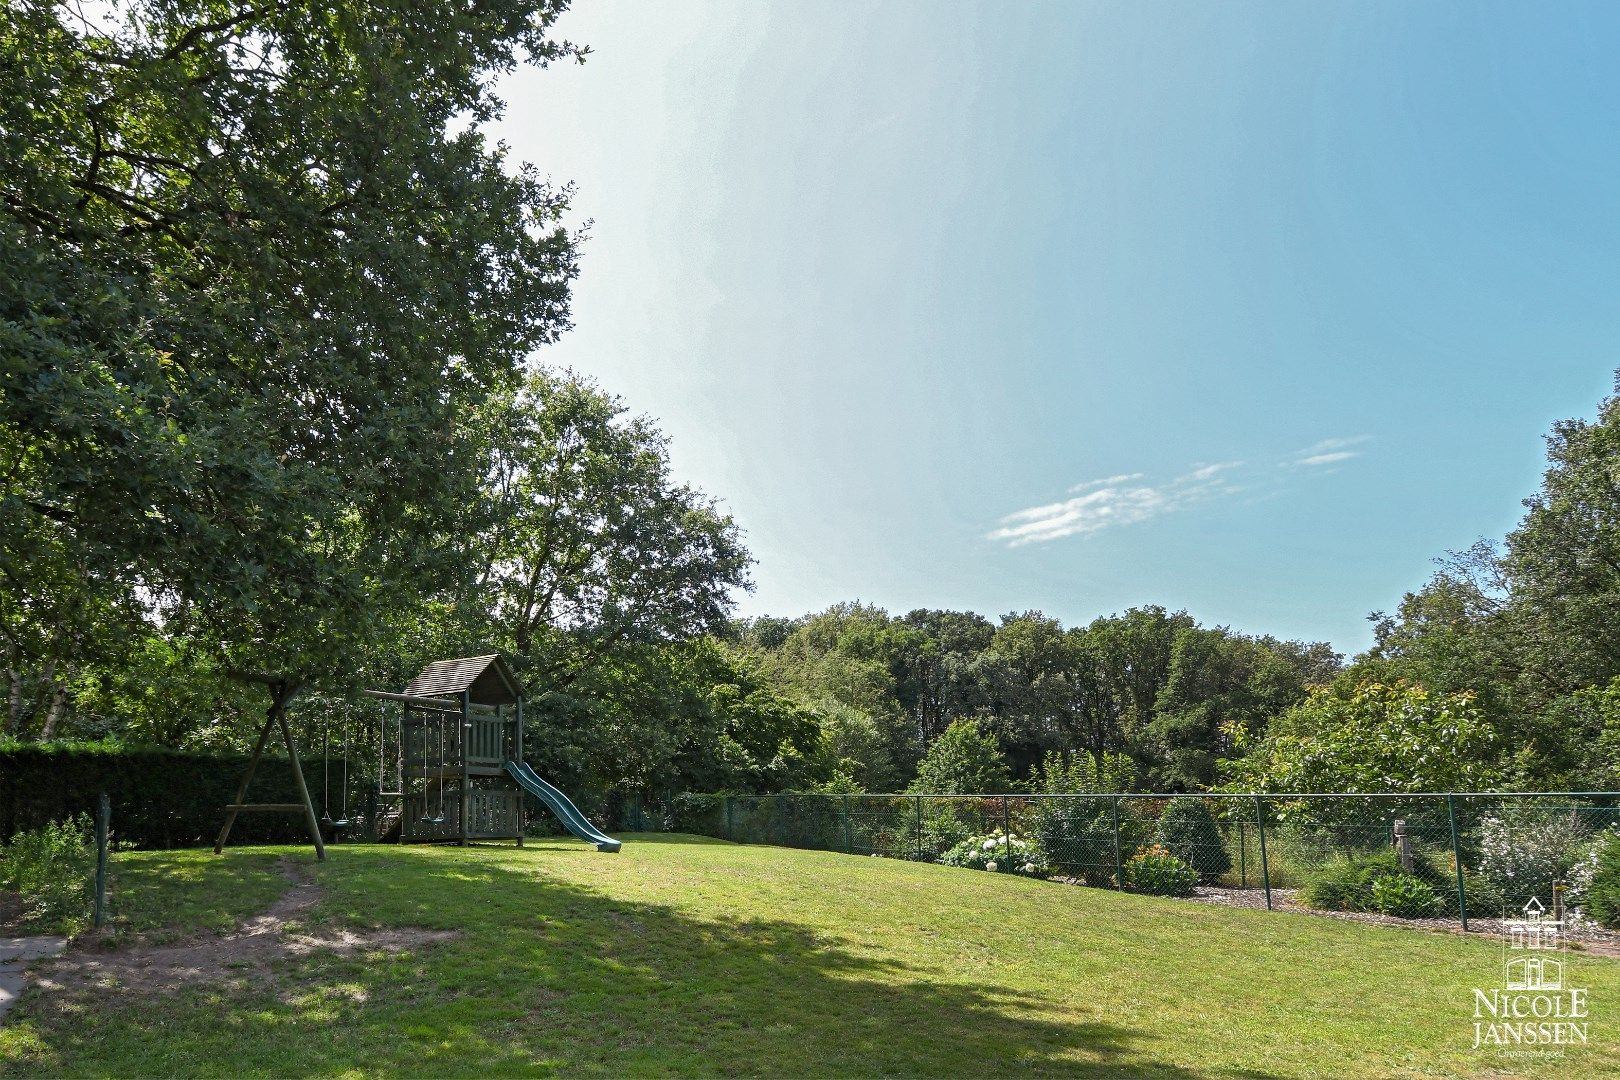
{"points": [[246, 954]]}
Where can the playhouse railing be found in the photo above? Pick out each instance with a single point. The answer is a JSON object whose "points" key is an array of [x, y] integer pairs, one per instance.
{"points": [[492, 813], [487, 741]]}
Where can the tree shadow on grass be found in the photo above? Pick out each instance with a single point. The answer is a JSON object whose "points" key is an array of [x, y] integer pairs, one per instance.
{"points": [[552, 977]]}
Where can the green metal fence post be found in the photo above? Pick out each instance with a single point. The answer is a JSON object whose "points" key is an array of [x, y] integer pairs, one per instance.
{"points": [[103, 818], [781, 819], [1456, 860], [1243, 854], [919, 828], [1260, 826], [1006, 830], [1119, 864], [849, 839], [731, 833]]}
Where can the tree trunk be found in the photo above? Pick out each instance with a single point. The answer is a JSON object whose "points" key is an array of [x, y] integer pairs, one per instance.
{"points": [[14, 701], [53, 714]]}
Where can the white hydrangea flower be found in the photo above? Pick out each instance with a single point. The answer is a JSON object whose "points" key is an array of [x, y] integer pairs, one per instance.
{"points": [[990, 866]]}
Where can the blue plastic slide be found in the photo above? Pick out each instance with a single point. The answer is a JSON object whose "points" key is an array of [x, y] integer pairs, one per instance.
{"points": [[566, 812]]}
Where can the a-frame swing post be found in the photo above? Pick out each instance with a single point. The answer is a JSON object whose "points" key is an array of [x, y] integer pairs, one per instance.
{"points": [[281, 691], [303, 790], [278, 697]]}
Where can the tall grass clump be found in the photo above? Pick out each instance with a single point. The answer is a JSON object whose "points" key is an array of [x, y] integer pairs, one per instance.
{"points": [[52, 868]]}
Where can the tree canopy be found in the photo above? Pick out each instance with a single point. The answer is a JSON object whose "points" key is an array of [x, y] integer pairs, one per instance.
{"points": [[255, 263]]}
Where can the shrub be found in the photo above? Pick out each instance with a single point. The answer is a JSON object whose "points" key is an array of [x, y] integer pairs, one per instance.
{"points": [[160, 798], [698, 812], [1523, 852], [1588, 857], [963, 760], [1602, 900], [1348, 883], [998, 852], [1154, 870], [942, 829], [809, 821], [1077, 836], [53, 869], [1188, 831], [1338, 885], [1404, 895], [934, 828], [1484, 899]]}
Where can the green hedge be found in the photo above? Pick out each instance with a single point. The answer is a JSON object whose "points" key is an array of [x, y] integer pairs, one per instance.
{"points": [[160, 798]]}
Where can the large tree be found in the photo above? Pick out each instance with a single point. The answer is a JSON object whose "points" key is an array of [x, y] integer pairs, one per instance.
{"points": [[1528, 627], [256, 263], [1563, 561], [1222, 690], [584, 542]]}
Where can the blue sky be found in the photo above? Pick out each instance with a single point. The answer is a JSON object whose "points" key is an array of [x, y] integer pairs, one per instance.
{"points": [[1244, 308]]}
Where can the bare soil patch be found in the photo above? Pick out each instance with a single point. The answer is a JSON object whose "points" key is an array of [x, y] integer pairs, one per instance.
{"points": [[11, 914], [247, 953]]}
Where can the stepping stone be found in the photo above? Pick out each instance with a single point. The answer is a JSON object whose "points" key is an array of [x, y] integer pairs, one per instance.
{"points": [[15, 955]]}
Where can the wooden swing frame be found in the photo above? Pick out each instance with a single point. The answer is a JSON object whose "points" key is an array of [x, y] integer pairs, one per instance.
{"points": [[282, 690]]}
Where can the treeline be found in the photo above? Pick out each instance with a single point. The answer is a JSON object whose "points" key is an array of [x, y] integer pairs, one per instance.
{"points": [[854, 699], [1151, 685], [1501, 672]]}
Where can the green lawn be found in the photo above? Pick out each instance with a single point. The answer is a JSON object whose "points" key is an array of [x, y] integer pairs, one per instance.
{"points": [[684, 956]]}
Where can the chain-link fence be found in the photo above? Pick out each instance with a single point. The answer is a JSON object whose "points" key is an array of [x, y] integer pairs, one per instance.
{"points": [[1479, 855]]}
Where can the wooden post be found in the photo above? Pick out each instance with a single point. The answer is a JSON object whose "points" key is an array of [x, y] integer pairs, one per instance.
{"points": [[1403, 845], [278, 697], [466, 746], [303, 789]]}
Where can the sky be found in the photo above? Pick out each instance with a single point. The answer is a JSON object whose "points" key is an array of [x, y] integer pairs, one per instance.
{"points": [[1249, 309]]}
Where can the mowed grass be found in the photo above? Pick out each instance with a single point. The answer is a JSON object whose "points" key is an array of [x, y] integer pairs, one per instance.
{"points": [[687, 957]]}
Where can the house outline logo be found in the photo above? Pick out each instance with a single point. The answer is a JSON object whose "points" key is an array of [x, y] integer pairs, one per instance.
{"points": [[1533, 948], [1532, 1012]]}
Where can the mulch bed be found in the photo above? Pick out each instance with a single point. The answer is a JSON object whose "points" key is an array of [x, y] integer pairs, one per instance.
{"points": [[1580, 934]]}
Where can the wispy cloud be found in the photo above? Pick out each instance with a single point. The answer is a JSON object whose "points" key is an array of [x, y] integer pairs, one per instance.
{"points": [[1129, 498], [1107, 481], [1110, 502], [1326, 459], [1327, 452]]}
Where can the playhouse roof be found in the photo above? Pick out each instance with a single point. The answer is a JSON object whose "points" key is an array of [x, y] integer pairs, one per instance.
{"points": [[487, 680]]}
